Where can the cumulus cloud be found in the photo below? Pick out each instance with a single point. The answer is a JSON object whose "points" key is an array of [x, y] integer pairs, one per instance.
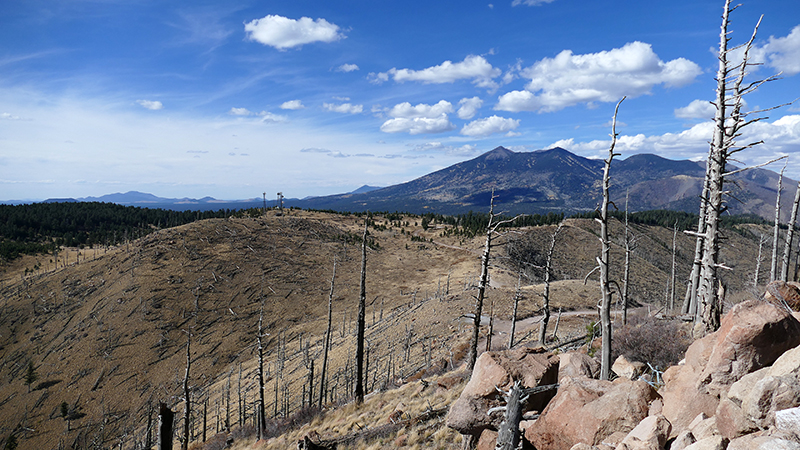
{"points": [[344, 108], [406, 111], [569, 79], [347, 68], [419, 119], [8, 116], [474, 68], [418, 125], [531, 2], [489, 125], [270, 117], [697, 109], [240, 112], [292, 104], [782, 136], [469, 107], [150, 104], [783, 53], [283, 33]]}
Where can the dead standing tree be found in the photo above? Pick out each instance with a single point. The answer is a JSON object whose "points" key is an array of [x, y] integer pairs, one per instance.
{"points": [[491, 230], [323, 387], [776, 232], [261, 418], [362, 307], [605, 257], [787, 249], [548, 265], [731, 89]]}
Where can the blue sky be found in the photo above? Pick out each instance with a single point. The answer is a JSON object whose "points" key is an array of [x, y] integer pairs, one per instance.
{"points": [[189, 99]]}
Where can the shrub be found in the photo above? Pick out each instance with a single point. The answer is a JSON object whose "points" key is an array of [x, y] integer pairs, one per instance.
{"points": [[660, 342]]}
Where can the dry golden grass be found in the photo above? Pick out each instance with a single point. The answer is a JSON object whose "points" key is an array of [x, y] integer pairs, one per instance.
{"points": [[107, 332]]}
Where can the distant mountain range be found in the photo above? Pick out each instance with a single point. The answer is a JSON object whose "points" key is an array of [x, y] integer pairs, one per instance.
{"points": [[542, 181], [557, 180]]}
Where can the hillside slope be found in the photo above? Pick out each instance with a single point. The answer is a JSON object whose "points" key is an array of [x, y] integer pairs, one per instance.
{"points": [[108, 335]]}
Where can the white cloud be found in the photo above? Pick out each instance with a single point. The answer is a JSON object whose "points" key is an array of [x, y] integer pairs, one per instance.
{"points": [[270, 117], [419, 119], [151, 105], [7, 116], [282, 33], [406, 111], [292, 104], [474, 68], [469, 107], [489, 125], [782, 136], [240, 112], [418, 125], [698, 109], [783, 53], [347, 68], [345, 108], [464, 150], [607, 76], [531, 2]]}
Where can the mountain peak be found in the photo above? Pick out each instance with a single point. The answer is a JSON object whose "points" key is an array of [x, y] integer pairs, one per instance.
{"points": [[498, 153]]}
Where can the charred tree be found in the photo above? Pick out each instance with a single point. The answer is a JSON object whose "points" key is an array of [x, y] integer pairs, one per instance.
{"points": [[165, 419], [362, 310], [548, 265], [323, 385], [491, 229]]}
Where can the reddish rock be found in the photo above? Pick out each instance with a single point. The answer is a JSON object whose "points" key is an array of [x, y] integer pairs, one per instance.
{"points": [[754, 441], [586, 410], [533, 367], [779, 292], [627, 369], [751, 336], [650, 434], [577, 364], [682, 400], [732, 422], [487, 440]]}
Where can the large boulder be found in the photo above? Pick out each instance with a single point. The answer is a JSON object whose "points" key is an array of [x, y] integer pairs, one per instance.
{"points": [[587, 411], [762, 442], [627, 369], [577, 364], [493, 370], [751, 336], [650, 434], [683, 401]]}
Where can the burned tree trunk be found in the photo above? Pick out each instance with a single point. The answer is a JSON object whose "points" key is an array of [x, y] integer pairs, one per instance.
{"points": [[323, 386], [165, 418], [362, 307], [261, 426], [508, 435], [484, 280], [517, 296], [546, 296], [186, 395]]}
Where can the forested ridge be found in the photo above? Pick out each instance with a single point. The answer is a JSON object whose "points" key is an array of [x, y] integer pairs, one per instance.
{"points": [[43, 227]]}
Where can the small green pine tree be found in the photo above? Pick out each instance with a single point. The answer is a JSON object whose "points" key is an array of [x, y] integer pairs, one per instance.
{"points": [[30, 375], [11, 443]]}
